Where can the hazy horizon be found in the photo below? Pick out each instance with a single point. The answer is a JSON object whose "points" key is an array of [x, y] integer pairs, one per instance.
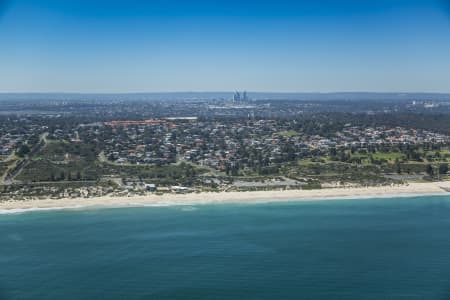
{"points": [[181, 96]]}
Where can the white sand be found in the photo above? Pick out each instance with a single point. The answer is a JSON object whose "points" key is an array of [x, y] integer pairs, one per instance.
{"points": [[411, 189]]}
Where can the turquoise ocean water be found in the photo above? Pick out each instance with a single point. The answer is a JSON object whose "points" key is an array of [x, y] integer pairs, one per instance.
{"points": [[395, 248]]}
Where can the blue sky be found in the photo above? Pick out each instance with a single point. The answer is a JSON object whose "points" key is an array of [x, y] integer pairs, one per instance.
{"points": [[174, 45]]}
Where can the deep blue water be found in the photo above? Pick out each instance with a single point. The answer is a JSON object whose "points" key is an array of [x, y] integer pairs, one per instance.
{"points": [[371, 249]]}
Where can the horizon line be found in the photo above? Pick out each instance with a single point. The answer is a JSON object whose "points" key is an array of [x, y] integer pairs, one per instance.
{"points": [[210, 92]]}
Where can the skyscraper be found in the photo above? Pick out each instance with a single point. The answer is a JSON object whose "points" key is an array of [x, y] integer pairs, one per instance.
{"points": [[237, 97]]}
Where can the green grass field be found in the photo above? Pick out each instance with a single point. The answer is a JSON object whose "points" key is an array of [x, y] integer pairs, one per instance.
{"points": [[289, 133]]}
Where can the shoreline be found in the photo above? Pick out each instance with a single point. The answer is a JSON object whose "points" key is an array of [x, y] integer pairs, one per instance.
{"points": [[411, 189]]}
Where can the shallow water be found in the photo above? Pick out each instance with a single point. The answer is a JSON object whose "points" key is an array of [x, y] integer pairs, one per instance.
{"points": [[395, 248]]}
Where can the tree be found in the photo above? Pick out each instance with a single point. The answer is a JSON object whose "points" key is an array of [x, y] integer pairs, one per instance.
{"points": [[333, 151], [429, 170], [23, 150], [399, 168], [443, 168]]}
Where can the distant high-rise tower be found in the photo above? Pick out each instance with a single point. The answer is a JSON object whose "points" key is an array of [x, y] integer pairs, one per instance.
{"points": [[237, 97]]}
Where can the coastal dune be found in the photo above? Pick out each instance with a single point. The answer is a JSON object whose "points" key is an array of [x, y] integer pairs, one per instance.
{"points": [[409, 189]]}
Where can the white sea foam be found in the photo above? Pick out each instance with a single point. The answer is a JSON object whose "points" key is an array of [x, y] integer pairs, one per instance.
{"points": [[31, 209], [189, 208]]}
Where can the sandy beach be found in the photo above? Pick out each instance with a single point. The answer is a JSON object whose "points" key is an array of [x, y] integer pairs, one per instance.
{"points": [[410, 189]]}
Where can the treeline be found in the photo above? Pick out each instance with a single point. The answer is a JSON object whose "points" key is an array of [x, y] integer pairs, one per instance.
{"points": [[326, 124]]}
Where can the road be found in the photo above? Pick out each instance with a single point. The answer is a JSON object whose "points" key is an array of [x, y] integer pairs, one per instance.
{"points": [[12, 173]]}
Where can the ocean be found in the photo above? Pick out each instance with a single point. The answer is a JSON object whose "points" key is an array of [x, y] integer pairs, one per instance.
{"points": [[393, 248]]}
